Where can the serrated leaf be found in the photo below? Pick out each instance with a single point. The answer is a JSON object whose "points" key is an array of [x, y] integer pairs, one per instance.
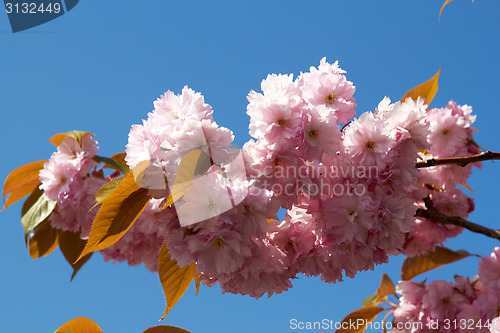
{"points": [[43, 240], [369, 301], [355, 322], [57, 139], [22, 181], [79, 325], [386, 288], [35, 210], [175, 280], [71, 246], [423, 263], [165, 329], [117, 214], [426, 90], [107, 189], [113, 164]]}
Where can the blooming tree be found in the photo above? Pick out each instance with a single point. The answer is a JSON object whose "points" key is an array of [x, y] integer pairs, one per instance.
{"points": [[189, 205]]}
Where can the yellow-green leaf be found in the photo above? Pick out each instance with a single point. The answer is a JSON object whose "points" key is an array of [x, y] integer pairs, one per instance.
{"points": [[71, 246], [356, 321], [369, 301], [175, 280], [112, 164], [80, 325], [426, 90], [117, 214], [120, 157], [386, 288], [165, 329], [57, 139], [107, 189], [22, 181], [35, 210], [43, 240], [423, 263]]}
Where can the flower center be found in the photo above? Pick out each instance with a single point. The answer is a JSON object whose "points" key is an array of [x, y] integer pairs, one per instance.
{"points": [[313, 133], [281, 122], [218, 244], [370, 145], [330, 98]]}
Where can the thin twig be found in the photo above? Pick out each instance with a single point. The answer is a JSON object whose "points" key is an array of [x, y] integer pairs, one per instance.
{"points": [[433, 214], [461, 161]]}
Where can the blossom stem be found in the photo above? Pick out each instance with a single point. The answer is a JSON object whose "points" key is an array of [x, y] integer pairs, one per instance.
{"points": [[433, 214], [462, 161]]}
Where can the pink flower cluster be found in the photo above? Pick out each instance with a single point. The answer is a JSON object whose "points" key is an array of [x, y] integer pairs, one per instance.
{"points": [[466, 305], [350, 186], [450, 135], [67, 179]]}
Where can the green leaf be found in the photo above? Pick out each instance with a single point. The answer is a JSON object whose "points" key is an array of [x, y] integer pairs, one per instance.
{"points": [[113, 164], [426, 90], [369, 301], [117, 214], [22, 181], [175, 280], [423, 263], [165, 329], [35, 210]]}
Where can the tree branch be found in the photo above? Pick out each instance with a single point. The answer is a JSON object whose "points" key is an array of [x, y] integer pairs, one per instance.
{"points": [[433, 214], [461, 161]]}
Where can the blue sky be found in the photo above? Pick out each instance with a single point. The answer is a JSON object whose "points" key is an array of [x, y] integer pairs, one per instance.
{"points": [[99, 68]]}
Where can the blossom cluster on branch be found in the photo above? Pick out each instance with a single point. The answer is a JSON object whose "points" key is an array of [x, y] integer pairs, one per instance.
{"points": [[349, 188]]}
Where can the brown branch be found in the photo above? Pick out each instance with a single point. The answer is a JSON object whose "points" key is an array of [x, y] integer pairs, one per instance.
{"points": [[433, 214], [461, 161]]}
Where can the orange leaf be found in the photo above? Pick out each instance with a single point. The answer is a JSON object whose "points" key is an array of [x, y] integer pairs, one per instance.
{"points": [[57, 139], [426, 90], [71, 246], [356, 321], [444, 5], [22, 181], [197, 280], [175, 280], [423, 263], [79, 325], [386, 288], [165, 329], [43, 240], [117, 214]]}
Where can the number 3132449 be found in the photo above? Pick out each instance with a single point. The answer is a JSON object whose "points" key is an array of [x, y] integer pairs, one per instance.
{"points": [[32, 8]]}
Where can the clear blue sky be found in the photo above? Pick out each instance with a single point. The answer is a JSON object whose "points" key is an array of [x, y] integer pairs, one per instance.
{"points": [[99, 68]]}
